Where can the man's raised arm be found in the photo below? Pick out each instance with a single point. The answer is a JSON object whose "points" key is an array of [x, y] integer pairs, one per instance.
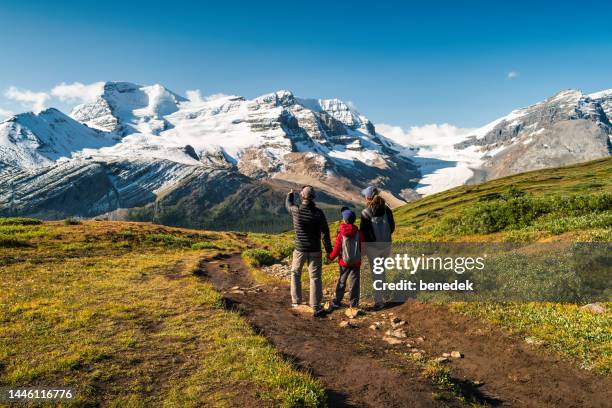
{"points": [[289, 204]]}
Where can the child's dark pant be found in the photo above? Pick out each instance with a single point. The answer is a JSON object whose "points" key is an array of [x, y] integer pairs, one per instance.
{"points": [[352, 275]]}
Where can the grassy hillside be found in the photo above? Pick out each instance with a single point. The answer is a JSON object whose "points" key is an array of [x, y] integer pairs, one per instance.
{"points": [[117, 310], [525, 206]]}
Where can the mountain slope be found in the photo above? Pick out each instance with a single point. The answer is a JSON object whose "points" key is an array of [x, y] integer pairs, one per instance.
{"points": [[424, 219], [567, 128], [30, 140], [144, 152]]}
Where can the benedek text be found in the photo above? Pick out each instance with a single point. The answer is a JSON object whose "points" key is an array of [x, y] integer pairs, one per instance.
{"points": [[423, 286]]}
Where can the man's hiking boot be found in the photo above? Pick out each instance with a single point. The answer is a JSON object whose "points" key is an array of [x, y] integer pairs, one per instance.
{"points": [[295, 305], [319, 312], [378, 306]]}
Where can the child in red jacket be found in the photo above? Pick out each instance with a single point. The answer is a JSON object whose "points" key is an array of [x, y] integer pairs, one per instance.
{"points": [[348, 250]]}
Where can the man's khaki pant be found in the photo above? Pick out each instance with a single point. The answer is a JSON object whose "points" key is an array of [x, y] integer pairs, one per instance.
{"points": [[314, 270]]}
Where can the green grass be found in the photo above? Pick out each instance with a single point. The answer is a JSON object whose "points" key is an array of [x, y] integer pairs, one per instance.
{"points": [[205, 245], [525, 202], [582, 335], [19, 221], [115, 310], [258, 257], [169, 240], [553, 213]]}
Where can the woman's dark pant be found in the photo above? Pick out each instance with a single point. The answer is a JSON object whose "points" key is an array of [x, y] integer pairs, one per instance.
{"points": [[352, 275]]}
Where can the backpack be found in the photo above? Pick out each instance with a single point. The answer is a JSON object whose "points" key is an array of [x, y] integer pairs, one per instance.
{"points": [[380, 226], [351, 249]]}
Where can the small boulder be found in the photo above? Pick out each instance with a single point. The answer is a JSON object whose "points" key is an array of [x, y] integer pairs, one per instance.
{"points": [[302, 309], [375, 326], [456, 354], [595, 308], [420, 339], [399, 333], [446, 355], [395, 319], [534, 340], [352, 312], [441, 360], [346, 323], [392, 340]]}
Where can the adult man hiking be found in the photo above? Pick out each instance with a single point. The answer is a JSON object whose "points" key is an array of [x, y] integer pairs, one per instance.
{"points": [[310, 227], [377, 225]]}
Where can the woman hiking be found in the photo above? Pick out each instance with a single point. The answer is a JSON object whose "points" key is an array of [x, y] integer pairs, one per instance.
{"points": [[377, 225]]}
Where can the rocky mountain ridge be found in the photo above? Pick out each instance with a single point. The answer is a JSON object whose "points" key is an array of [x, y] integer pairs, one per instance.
{"points": [[147, 153]]}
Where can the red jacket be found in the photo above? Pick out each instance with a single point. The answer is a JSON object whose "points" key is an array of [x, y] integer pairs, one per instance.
{"points": [[346, 230]]}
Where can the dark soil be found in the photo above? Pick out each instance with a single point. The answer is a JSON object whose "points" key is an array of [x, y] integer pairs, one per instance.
{"points": [[360, 370]]}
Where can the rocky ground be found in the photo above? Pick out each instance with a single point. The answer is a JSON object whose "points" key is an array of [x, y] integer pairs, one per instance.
{"points": [[413, 354]]}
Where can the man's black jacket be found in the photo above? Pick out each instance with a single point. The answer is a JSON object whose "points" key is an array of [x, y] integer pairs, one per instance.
{"points": [[310, 226]]}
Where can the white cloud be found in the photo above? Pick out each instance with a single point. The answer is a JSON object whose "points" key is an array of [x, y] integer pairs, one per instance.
{"points": [[5, 113], [432, 148], [78, 92], [426, 135], [32, 100], [194, 95], [513, 75]]}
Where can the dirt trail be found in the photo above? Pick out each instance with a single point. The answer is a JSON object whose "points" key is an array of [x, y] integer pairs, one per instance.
{"points": [[519, 373], [359, 369], [355, 370]]}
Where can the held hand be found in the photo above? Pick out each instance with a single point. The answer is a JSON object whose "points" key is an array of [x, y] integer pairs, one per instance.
{"points": [[291, 191]]}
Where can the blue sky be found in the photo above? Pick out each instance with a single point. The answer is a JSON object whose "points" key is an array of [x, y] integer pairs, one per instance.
{"points": [[401, 63]]}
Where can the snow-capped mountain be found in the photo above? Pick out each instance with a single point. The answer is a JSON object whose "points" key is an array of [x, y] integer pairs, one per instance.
{"points": [[141, 144], [31, 140], [144, 152], [567, 128]]}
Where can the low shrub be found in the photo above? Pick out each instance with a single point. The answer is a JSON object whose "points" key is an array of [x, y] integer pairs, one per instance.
{"points": [[168, 240], [20, 221], [72, 221], [9, 242], [516, 211], [283, 248], [258, 257], [204, 245]]}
